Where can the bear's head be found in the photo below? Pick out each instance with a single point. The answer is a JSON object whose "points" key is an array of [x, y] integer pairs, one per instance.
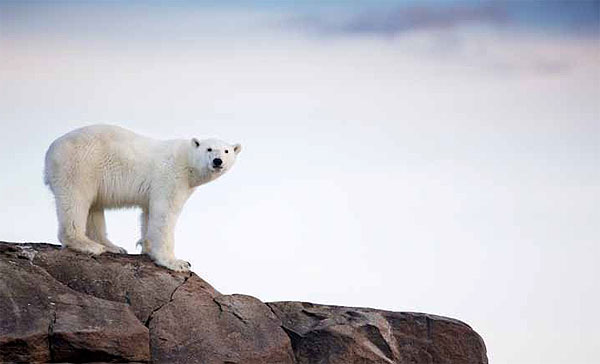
{"points": [[211, 158]]}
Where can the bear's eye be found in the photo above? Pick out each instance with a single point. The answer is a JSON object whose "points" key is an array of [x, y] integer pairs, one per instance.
{"points": [[226, 151], [209, 150]]}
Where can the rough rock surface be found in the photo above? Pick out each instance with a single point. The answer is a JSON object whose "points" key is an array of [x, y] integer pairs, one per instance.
{"points": [[57, 305], [333, 334]]}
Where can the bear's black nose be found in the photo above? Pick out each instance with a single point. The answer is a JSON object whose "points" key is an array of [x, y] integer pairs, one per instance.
{"points": [[217, 162]]}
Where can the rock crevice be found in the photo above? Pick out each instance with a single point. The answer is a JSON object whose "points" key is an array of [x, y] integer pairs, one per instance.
{"points": [[50, 333], [147, 322]]}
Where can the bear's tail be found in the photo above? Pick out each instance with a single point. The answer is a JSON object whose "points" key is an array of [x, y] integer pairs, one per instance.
{"points": [[50, 163], [47, 169]]}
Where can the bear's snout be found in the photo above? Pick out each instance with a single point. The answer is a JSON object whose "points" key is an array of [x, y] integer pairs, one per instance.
{"points": [[217, 162]]}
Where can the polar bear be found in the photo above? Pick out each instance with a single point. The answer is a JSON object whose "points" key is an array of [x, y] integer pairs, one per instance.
{"points": [[100, 167]]}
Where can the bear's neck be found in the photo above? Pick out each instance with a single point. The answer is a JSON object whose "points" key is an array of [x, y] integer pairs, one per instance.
{"points": [[197, 177]]}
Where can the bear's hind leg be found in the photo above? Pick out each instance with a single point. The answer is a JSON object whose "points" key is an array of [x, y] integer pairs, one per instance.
{"points": [[72, 218], [96, 230]]}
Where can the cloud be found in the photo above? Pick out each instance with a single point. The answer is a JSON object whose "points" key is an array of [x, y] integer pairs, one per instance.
{"points": [[577, 17], [422, 17], [390, 22]]}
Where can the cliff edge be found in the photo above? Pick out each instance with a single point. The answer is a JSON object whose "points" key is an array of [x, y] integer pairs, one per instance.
{"points": [[58, 305]]}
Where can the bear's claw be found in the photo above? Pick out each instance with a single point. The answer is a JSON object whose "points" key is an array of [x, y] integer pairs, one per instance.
{"points": [[177, 265], [116, 250], [94, 249]]}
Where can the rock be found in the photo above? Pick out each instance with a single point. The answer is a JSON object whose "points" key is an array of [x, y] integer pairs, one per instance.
{"points": [[57, 305], [198, 326], [333, 334], [42, 320], [130, 279]]}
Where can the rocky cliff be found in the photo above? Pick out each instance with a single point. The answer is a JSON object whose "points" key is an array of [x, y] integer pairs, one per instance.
{"points": [[61, 306]]}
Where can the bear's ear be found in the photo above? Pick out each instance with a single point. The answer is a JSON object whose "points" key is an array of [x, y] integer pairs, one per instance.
{"points": [[195, 142], [237, 148]]}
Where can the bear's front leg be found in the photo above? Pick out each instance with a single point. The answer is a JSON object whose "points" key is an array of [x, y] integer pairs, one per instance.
{"points": [[159, 241]]}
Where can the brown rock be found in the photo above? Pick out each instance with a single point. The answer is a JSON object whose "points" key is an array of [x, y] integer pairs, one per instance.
{"points": [[130, 279], [92, 329], [25, 311], [42, 320], [333, 334], [199, 326], [57, 305]]}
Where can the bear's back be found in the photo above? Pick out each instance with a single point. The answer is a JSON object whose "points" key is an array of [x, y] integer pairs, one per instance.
{"points": [[104, 148]]}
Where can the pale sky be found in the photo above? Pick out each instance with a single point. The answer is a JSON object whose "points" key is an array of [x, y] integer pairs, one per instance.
{"points": [[439, 158]]}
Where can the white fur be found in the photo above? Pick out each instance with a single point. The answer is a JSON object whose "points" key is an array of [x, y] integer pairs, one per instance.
{"points": [[102, 166]]}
